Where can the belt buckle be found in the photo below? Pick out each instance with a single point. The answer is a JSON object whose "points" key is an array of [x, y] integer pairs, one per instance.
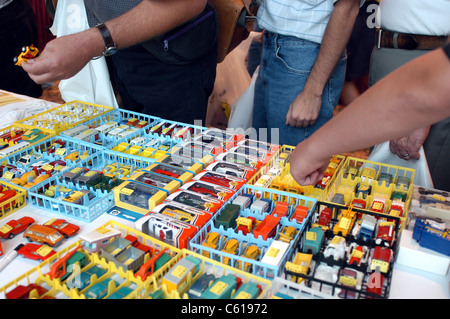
{"points": [[379, 38]]}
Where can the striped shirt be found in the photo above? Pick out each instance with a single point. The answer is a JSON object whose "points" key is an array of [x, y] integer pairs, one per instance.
{"points": [[305, 19]]}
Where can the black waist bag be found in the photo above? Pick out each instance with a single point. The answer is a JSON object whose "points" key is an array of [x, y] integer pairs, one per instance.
{"points": [[187, 42]]}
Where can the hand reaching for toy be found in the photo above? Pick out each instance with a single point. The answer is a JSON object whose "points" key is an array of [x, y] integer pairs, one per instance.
{"points": [[304, 110], [407, 147], [63, 57], [305, 168]]}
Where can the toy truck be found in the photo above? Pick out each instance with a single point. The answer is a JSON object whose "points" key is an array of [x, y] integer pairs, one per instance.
{"points": [[267, 228], [62, 267], [245, 224], [368, 225], [325, 217], [122, 253], [211, 241], [299, 266], [228, 216], [181, 274], [281, 209], [313, 240], [300, 213], [345, 223]]}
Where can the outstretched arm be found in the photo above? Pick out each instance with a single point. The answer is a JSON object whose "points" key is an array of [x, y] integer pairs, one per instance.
{"points": [[413, 96], [65, 56]]}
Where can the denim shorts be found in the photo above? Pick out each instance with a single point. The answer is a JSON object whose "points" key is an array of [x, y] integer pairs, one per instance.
{"points": [[285, 66]]}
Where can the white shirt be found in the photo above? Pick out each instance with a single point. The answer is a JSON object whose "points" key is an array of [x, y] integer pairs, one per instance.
{"points": [[4, 3], [428, 17], [305, 19]]}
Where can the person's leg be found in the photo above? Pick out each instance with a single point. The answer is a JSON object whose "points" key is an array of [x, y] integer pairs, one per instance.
{"points": [[17, 29], [287, 64], [437, 150]]}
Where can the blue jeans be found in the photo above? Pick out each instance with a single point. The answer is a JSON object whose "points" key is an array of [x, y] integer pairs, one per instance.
{"points": [[285, 66]]}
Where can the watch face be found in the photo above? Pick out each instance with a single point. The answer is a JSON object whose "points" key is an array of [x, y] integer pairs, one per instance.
{"points": [[110, 51]]}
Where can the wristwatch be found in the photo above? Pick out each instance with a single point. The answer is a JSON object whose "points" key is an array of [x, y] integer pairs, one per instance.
{"points": [[110, 46]]}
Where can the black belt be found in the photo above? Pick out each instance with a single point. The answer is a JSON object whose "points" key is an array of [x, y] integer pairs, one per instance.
{"points": [[405, 41]]}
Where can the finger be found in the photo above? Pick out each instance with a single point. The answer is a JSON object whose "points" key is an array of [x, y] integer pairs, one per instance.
{"points": [[35, 66], [288, 117], [414, 155]]}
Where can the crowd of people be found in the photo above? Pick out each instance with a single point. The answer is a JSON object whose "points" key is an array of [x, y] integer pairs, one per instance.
{"points": [[162, 56]]}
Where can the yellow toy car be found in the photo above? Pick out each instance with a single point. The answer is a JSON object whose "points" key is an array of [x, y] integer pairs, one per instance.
{"points": [[28, 52]]}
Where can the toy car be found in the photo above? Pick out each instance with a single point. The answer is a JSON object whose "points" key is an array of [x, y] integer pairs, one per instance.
{"points": [[43, 234], [348, 278], [36, 251], [65, 228], [28, 52], [14, 227]]}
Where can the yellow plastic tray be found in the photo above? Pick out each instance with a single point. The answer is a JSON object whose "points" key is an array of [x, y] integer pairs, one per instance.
{"points": [[347, 185], [64, 116]]}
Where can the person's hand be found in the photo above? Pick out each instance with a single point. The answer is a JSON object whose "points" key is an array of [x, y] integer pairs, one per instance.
{"points": [[407, 147], [304, 110], [305, 168], [61, 58]]}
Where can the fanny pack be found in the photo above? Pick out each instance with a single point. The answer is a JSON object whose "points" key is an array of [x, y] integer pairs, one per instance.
{"points": [[187, 42]]}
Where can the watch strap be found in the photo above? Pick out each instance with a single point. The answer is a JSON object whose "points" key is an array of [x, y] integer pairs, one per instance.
{"points": [[106, 35]]}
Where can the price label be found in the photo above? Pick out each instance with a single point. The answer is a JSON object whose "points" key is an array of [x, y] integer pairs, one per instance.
{"points": [[179, 271], [126, 191], [382, 265], [219, 288], [60, 151], [311, 236]]}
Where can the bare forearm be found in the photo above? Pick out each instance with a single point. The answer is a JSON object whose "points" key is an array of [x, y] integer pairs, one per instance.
{"points": [[65, 56], [147, 20], [412, 97], [333, 44]]}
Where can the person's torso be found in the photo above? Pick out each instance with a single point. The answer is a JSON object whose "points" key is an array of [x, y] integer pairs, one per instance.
{"points": [[305, 19], [427, 17]]}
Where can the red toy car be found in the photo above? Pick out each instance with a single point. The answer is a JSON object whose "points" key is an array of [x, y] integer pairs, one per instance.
{"points": [[36, 251], [64, 227], [14, 227]]}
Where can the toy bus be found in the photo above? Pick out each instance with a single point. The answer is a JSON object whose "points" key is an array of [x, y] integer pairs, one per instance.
{"points": [[115, 132], [72, 132], [105, 128], [14, 148], [87, 135]]}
